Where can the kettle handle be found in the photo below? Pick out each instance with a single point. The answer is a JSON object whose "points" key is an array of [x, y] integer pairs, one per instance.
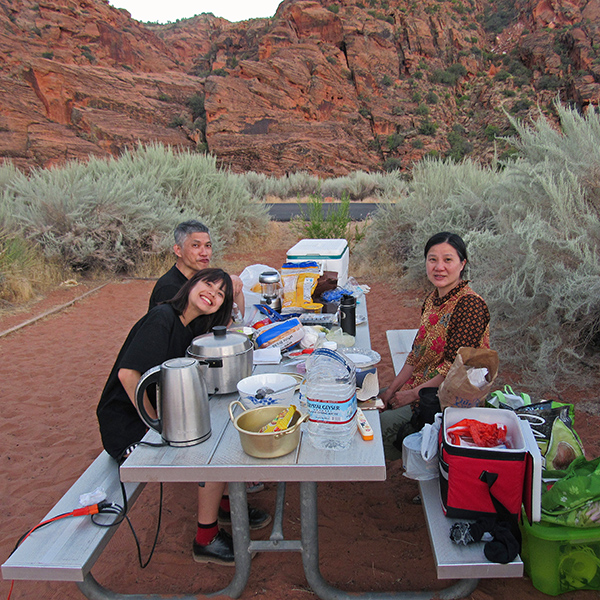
{"points": [[150, 376]]}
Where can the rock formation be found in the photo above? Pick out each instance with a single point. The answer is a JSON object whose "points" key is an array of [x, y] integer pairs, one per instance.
{"points": [[326, 86]]}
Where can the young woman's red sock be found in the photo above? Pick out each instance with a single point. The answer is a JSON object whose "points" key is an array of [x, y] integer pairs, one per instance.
{"points": [[206, 533]]}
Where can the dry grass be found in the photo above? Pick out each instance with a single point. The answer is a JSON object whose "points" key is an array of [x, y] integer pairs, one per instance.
{"points": [[25, 274], [154, 266], [276, 235]]}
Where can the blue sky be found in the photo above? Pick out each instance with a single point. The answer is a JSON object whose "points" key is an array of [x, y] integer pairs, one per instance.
{"points": [[171, 10]]}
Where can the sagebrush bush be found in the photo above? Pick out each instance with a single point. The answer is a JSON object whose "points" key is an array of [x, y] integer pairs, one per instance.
{"points": [[533, 235], [358, 185], [112, 214]]}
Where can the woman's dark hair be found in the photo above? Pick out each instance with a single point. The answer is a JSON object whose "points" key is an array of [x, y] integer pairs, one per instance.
{"points": [[444, 237], [223, 315]]}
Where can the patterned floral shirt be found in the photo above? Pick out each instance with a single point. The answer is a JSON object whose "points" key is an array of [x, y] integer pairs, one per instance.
{"points": [[460, 318]]}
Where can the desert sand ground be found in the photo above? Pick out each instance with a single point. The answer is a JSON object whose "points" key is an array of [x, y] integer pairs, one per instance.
{"points": [[372, 538]]}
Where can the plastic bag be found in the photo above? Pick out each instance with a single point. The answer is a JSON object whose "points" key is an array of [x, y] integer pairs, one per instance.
{"points": [[508, 398], [415, 466], [252, 290], [552, 426], [430, 441], [574, 500], [299, 280], [282, 334]]}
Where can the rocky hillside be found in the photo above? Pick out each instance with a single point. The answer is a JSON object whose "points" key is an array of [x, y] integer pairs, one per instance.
{"points": [[327, 86]]}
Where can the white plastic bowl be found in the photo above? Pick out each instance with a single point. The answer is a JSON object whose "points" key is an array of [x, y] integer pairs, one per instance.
{"points": [[248, 387]]}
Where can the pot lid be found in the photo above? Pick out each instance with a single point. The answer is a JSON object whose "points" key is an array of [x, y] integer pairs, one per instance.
{"points": [[221, 342]]}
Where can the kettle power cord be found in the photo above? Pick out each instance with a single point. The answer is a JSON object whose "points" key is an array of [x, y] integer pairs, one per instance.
{"points": [[92, 510], [122, 512]]}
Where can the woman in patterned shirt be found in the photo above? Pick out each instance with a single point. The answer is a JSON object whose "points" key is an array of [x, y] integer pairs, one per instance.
{"points": [[452, 316]]}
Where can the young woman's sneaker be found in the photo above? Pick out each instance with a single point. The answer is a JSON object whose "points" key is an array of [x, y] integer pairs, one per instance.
{"points": [[219, 551]]}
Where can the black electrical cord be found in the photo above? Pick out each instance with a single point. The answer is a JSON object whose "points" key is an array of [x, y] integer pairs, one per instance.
{"points": [[124, 509]]}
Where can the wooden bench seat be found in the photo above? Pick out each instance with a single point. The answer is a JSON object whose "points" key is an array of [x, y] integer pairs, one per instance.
{"points": [[67, 549], [452, 561]]}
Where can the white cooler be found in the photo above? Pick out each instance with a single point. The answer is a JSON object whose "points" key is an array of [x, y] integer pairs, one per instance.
{"points": [[331, 255]]}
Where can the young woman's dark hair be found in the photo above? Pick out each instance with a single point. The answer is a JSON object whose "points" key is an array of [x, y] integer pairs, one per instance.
{"points": [[444, 237], [223, 315]]}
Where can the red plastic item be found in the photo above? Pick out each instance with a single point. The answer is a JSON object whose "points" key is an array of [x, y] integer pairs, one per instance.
{"points": [[300, 352], [262, 323], [484, 435]]}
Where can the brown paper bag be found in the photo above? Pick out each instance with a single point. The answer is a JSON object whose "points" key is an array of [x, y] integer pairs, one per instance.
{"points": [[327, 281], [457, 390]]}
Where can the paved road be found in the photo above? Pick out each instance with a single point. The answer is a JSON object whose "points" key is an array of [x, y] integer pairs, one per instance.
{"points": [[284, 212]]}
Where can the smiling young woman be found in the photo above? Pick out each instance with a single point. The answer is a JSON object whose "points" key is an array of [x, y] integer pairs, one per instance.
{"points": [[165, 332], [452, 316]]}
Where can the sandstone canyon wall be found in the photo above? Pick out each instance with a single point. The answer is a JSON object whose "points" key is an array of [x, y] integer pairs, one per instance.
{"points": [[327, 86]]}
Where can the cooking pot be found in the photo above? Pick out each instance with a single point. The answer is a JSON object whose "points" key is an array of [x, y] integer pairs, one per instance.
{"points": [[181, 401], [265, 445], [229, 355]]}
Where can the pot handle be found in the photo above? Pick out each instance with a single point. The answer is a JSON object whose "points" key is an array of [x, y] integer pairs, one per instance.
{"points": [[293, 427], [150, 376], [231, 408]]}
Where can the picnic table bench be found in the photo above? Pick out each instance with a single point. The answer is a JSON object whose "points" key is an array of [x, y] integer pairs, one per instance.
{"points": [[452, 561], [68, 549]]}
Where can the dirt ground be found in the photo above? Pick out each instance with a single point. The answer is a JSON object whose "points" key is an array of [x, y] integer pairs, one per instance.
{"points": [[372, 538]]}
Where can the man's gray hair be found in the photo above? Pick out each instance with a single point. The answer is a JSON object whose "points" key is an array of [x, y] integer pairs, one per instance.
{"points": [[184, 229]]}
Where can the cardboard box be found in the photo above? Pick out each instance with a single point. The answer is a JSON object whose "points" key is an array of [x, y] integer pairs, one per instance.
{"points": [[331, 255]]}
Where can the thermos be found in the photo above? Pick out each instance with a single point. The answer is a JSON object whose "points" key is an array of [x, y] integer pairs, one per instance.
{"points": [[348, 314]]}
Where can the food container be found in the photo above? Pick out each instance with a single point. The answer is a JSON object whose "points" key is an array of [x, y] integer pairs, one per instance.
{"points": [[283, 387], [265, 445], [330, 255], [229, 356], [561, 559]]}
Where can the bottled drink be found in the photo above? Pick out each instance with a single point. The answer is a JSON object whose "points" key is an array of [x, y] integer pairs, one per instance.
{"points": [[330, 392], [348, 314]]}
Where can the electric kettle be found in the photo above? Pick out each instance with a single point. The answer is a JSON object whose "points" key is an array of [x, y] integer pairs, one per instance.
{"points": [[181, 401]]}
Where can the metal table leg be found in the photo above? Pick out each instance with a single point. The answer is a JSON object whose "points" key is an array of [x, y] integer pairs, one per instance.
{"points": [[90, 588], [240, 530], [310, 561]]}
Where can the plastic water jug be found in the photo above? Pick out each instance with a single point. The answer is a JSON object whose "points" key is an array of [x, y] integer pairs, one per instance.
{"points": [[330, 391]]}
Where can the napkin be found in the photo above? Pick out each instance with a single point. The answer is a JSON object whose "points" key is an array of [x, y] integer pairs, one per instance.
{"points": [[267, 356]]}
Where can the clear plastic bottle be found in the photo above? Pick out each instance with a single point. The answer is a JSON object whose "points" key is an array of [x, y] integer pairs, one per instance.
{"points": [[330, 392]]}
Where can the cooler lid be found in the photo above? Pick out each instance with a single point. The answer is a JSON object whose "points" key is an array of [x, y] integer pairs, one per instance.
{"points": [[532, 492], [321, 248]]}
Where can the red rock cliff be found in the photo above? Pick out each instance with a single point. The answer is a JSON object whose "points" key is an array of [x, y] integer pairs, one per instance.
{"points": [[324, 86]]}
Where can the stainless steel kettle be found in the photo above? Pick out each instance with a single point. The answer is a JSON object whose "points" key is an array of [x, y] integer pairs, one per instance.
{"points": [[181, 401]]}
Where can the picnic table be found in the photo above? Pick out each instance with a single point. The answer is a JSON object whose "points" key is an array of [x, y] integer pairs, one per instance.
{"points": [[221, 458]]}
